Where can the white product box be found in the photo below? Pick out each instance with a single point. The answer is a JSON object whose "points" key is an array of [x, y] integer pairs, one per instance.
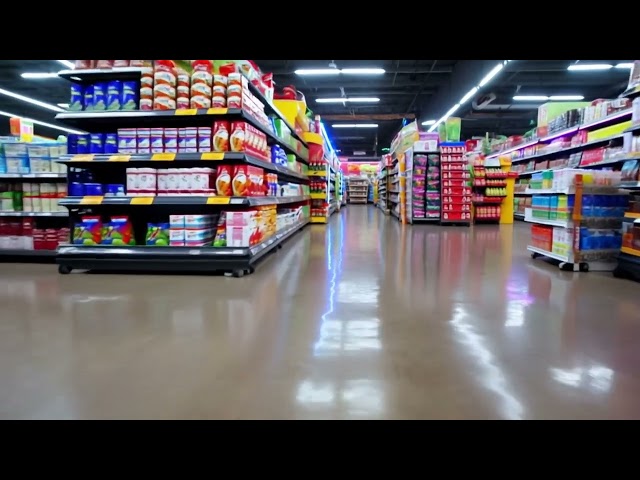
{"points": [[198, 221], [176, 221], [198, 234], [239, 236]]}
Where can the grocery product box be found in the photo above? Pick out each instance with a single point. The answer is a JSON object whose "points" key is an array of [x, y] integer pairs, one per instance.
{"points": [[551, 110], [242, 219], [242, 236], [198, 221], [248, 181]]}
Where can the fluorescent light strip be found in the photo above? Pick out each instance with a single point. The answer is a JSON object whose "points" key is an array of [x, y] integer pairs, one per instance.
{"points": [[326, 137], [544, 98], [38, 75], [337, 71], [355, 125], [428, 123], [363, 71], [44, 124], [348, 100], [30, 100], [318, 71], [589, 67], [628, 66], [487, 78], [70, 65]]}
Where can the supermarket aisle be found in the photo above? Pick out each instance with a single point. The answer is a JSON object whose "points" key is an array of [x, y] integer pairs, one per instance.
{"points": [[363, 319]]}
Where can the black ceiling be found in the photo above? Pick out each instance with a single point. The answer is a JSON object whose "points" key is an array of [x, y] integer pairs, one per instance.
{"points": [[422, 89]]}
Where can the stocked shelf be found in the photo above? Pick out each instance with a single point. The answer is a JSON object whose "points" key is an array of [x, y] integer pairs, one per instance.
{"points": [[97, 121], [183, 158], [181, 200], [33, 214], [178, 259], [31, 176]]}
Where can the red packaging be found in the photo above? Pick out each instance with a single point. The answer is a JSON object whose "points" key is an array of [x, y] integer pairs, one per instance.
{"points": [[246, 138], [242, 181], [84, 64], [51, 239], [105, 64], [39, 239], [120, 63], [224, 181], [220, 133]]}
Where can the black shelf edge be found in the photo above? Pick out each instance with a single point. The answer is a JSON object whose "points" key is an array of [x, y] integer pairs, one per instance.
{"points": [[97, 74], [170, 259], [180, 200], [10, 255], [168, 158]]}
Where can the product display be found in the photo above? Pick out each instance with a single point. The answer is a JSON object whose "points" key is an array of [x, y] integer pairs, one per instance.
{"points": [[206, 164], [456, 199]]}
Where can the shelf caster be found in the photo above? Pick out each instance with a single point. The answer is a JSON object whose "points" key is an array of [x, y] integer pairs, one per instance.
{"points": [[238, 273], [566, 267], [584, 267], [251, 270], [534, 255], [64, 269], [619, 273]]}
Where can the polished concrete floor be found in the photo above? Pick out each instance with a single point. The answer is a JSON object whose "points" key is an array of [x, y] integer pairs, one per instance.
{"points": [[362, 319]]}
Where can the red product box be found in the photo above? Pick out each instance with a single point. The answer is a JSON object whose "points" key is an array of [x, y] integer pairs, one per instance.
{"points": [[246, 138], [51, 238], [220, 132], [592, 156], [224, 180], [4, 226], [248, 181], [454, 216], [39, 239]]}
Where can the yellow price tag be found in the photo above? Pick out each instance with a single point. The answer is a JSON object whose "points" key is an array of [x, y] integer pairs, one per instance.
{"points": [[217, 111], [82, 158], [212, 156], [163, 157], [91, 200], [142, 200], [218, 200], [187, 111], [120, 158]]}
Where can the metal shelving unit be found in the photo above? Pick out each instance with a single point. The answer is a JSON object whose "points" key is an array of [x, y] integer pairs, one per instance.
{"points": [[233, 260]]}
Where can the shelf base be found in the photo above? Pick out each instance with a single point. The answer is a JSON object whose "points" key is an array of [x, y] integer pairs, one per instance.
{"points": [[237, 261], [27, 256], [628, 267]]}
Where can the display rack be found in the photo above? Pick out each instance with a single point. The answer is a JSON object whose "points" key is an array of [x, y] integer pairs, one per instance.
{"points": [[489, 184], [577, 225], [265, 221], [358, 190], [456, 196], [32, 223], [383, 184]]}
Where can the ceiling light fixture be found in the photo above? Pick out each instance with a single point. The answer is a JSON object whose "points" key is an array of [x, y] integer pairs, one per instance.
{"points": [[467, 96], [428, 123], [318, 71], [44, 124], [355, 125], [363, 71], [67, 63], [584, 67], [30, 100], [544, 98], [349, 100], [337, 71], [628, 66], [38, 75]]}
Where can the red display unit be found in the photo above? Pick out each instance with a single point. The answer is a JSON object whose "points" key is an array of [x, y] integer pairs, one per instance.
{"points": [[456, 192]]}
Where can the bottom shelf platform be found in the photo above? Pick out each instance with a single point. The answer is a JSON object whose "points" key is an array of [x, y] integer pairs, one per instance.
{"points": [[628, 267], [569, 264], [11, 255], [236, 260]]}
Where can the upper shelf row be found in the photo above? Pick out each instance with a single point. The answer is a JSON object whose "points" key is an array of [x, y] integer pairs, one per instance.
{"points": [[96, 121]]}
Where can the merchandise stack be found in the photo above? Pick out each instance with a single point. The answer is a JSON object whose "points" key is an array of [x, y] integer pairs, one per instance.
{"points": [[31, 185], [577, 216], [358, 190]]}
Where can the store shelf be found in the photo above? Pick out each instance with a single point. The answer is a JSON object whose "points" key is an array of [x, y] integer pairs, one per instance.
{"points": [[318, 219], [548, 254], [318, 196], [157, 159], [34, 214], [169, 259], [318, 174], [568, 149], [528, 217], [610, 119], [425, 220], [591, 190], [99, 121], [32, 176], [632, 129], [180, 200], [629, 185]]}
